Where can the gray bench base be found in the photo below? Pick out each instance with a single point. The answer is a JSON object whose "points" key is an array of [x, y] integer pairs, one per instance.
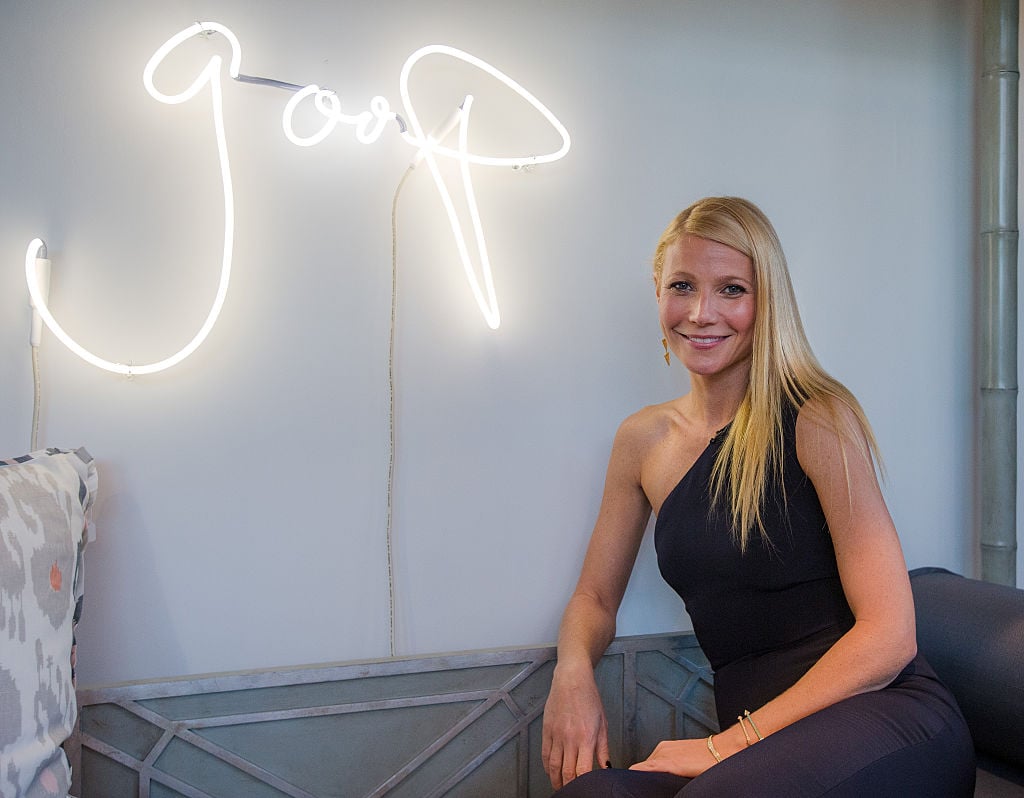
{"points": [[455, 725]]}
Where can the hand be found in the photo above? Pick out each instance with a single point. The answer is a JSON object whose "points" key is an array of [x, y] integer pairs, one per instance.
{"points": [[575, 727], [688, 758]]}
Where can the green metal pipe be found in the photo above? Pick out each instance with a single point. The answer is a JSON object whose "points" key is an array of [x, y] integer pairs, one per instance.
{"points": [[997, 174]]}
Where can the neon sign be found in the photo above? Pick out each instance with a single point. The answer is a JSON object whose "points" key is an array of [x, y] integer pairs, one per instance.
{"points": [[369, 126]]}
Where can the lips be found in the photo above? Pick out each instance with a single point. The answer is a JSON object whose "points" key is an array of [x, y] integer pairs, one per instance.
{"points": [[707, 339], [704, 340]]}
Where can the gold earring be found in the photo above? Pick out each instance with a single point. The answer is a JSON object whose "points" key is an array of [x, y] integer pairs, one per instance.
{"points": [[668, 360]]}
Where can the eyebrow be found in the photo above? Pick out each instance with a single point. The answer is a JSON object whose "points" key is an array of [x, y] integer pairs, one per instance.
{"points": [[730, 278]]}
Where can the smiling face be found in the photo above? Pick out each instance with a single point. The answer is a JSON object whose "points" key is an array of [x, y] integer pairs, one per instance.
{"points": [[706, 301]]}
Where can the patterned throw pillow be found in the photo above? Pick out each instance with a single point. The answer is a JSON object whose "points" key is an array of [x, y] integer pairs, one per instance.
{"points": [[44, 500]]}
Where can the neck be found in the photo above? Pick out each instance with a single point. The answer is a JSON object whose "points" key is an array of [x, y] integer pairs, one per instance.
{"points": [[713, 401]]}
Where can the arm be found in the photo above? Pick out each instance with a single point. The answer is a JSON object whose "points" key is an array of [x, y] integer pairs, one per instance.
{"points": [[575, 730], [874, 577]]}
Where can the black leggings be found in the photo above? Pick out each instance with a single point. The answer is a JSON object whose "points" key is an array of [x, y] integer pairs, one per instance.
{"points": [[904, 740]]}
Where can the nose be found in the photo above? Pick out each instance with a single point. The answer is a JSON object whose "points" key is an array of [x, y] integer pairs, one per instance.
{"points": [[702, 311]]}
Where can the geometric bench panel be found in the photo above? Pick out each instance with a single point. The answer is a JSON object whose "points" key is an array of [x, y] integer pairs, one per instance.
{"points": [[462, 725]]}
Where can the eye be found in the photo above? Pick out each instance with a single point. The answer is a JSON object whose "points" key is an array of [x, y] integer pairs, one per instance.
{"points": [[734, 290], [680, 285]]}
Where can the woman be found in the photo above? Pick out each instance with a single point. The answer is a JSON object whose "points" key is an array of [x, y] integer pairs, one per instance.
{"points": [[772, 528]]}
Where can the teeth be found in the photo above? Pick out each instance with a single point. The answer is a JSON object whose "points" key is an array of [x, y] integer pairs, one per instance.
{"points": [[705, 340]]}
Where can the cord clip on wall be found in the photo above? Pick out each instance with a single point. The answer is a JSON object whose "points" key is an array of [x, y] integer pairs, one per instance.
{"points": [[369, 125], [39, 277]]}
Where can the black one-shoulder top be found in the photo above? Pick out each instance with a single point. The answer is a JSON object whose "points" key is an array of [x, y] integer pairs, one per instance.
{"points": [[765, 616]]}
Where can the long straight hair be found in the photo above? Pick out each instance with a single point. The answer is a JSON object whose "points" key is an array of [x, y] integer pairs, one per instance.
{"points": [[783, 370]]}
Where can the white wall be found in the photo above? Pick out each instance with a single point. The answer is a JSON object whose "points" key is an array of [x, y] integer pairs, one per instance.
{"points": [[242, 517]]}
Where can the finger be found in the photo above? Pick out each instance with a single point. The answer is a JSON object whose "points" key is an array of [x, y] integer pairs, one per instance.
{"points": [[604, 758], [584, 761], [551, 758], [553, 766], [567, 766]]}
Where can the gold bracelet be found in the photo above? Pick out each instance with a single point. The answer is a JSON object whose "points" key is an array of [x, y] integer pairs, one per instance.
{"points": [[752, 724], [711, 748], [742, 726]]}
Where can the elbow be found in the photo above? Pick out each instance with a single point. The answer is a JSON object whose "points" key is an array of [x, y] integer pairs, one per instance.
{"points": [[891, 650], [907, 640], [909, 648], [901, 651], [903, 655]]}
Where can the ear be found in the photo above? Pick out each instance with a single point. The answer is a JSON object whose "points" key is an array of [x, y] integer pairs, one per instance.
{"points": [[657, 286]]}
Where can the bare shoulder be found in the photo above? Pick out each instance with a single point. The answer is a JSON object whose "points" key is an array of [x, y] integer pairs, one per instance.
{"points": [[658, 446], [641, 432], [832, 447], [828, 423]]}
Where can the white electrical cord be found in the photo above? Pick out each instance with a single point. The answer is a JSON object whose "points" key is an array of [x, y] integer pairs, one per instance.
{"points": [[391, 409], [436, 136], [36, 398], [40, 280]]}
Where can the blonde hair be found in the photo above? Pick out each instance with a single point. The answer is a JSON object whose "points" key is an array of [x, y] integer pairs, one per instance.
{"points": [[783, 370]]}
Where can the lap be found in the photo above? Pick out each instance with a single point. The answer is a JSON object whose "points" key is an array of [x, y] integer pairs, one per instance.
{"points": [[615, 783], [892, 742], [903, 740]]}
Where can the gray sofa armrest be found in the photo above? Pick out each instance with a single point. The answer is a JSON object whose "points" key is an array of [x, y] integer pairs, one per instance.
{"points": [[972, 633]]}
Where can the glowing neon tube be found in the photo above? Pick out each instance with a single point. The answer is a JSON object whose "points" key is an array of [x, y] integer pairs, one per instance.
{"points": [[210, 74], [430, 149], [369, 126], [417, 138]]}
